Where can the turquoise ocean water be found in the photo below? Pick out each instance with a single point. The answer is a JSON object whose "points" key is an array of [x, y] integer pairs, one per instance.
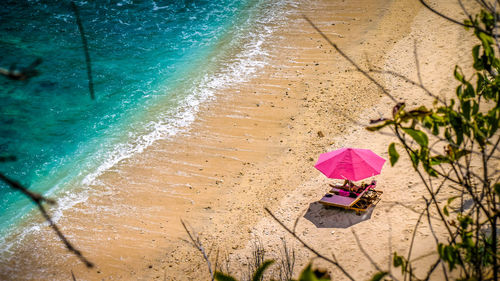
{"points": [[154, 63]]}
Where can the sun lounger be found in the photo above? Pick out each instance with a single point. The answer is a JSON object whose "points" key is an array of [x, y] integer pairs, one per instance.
{"points": [[360, 203], [336, 188]]}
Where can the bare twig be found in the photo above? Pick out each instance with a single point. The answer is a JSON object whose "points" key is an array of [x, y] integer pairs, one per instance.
{"points": [[333, 262], [409, 81], [257, 259], [8, 158], [493, 149], [451, 19], [417, 63], [38, 199], [495, 30], [368, 256], [469, 16], [433, 267], [85, 49], [35, 197], [195, 241], [384, 90], [287, 262], [408, 257], [224, 265], [23, 73], [389, 258], [433, 195], [486, 5], [66, 242], [428, 203]]}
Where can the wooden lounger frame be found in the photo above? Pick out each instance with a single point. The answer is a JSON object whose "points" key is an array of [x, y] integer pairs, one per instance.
{"points": [[361, 203]]}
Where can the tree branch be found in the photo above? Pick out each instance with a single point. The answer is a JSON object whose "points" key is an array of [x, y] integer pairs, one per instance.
{"points": [[451, 19], [335, 263], [384, 90], [38, 199], [85, 49], [368, 256], [195, 241]]}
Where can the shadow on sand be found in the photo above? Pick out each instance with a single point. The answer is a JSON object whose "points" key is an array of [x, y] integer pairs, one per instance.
{"points": [[332, 217]]}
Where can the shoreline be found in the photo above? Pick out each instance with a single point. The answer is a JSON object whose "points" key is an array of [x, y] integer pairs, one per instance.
{"points": [[177, 119], [252, 148]]}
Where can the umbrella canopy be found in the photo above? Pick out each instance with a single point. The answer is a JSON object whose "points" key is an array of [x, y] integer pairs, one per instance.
{"points": [[352, 164]]}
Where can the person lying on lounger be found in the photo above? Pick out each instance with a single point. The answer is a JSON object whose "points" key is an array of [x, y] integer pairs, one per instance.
{"points": [[351, 187], [342, 193], [365, 185], [347, 183]]}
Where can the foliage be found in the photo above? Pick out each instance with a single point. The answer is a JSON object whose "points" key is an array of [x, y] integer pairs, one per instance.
{"points": [[308, 274], [467, 127], [379, 275]]}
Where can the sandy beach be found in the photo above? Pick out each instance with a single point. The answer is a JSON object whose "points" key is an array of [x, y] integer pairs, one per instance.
{"points": [[255, 145]]}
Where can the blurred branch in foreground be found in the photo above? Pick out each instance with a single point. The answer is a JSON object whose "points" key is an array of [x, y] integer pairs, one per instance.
{"points": [[23, 73], [38, 199], [85, 49]]}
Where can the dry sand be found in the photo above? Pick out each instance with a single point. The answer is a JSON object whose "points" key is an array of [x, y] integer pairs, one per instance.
{"points": [[255, 147]]}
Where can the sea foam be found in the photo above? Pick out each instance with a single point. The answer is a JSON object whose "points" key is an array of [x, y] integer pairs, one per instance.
{"points": [[254, 32]]}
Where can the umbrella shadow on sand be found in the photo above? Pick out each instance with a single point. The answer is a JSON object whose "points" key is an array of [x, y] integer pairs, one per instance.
{"points": [[331, 217]]}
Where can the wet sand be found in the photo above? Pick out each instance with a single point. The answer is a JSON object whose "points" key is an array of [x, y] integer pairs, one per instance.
{"points": [[255, 145]]}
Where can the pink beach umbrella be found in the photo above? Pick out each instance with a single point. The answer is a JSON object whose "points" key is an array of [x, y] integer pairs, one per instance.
{"points": [[352, 164]]}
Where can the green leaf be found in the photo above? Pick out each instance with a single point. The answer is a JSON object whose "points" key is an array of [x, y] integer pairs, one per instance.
{"points": [[475, 107], [459, 91], [464, 221], [435, 129], [397, 109], [441, 250], [422, 111], [450, 256], [494, 122], [461, 153], [393, 154], [379, 275], [397, 261], [458, 74], [496, 187], [478, 64], [219, 276], [467, 23], [436, 160], [447, 134], [487, 41], [414, 159], [469, 242], [430, 171], [378, 127], [469, 91], [475, 52], [419, 136], [451, 199], [257, 276], [456, 123], [445, 211], [466, 109], [308, 275], [428, 122]]}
